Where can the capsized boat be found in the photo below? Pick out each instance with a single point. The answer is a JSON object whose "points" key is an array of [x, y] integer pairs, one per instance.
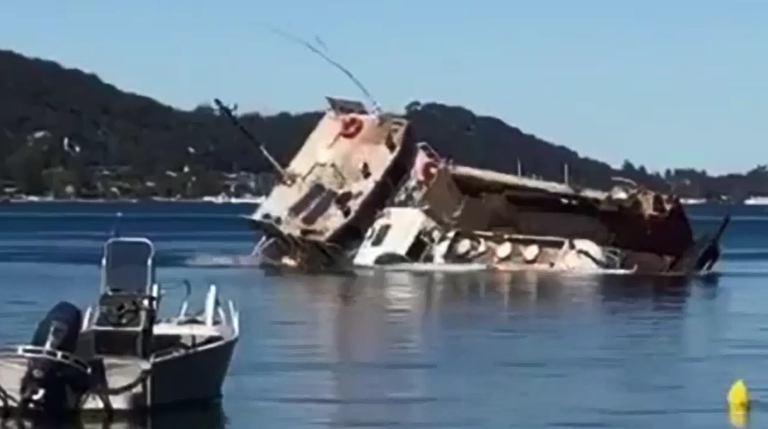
{"points": [[357, 162], [120, 356], [408, 239], [646, 231]]}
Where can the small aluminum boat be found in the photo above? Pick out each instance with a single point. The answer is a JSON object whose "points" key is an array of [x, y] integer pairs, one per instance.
{"points": [[119, 357]]}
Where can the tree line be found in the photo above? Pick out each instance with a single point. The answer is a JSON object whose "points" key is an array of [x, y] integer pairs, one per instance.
{"points": [[66, 132]]}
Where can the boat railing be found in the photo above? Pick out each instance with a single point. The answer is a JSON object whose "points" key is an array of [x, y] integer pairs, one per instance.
{"points": [[234, 318], [201, 328], [36, 352], [212, 308]]}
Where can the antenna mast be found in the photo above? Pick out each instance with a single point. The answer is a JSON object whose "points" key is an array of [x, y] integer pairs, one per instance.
{"points": [[231, 116], [374, 105]]}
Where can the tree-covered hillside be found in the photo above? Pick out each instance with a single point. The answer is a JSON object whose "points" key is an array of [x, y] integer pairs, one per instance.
{"points": [[64, 131]]}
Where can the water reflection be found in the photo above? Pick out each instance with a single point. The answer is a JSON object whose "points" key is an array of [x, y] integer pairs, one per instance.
{"points": [[199, 417], [519, 290], [611, 333], [413, 349], [375, 346]]}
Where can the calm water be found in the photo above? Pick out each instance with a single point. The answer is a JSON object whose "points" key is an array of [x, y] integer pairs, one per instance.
{"points": [[400, 350]]}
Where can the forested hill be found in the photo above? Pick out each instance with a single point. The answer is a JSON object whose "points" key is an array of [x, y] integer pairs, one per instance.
{"points": [[65, 131]]}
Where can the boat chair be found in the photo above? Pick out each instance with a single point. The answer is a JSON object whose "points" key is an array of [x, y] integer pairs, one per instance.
{"points": [[127, 306]]}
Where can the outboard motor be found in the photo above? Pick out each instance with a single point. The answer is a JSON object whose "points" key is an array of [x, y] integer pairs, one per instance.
{"points": [[52, 385]]}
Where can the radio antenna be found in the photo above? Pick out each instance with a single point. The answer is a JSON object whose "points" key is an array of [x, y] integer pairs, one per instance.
{"points": [[229, 114], [375, 106]]}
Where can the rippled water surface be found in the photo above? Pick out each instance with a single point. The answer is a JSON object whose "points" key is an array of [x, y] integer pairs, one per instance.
{"points": [[400, 350]]}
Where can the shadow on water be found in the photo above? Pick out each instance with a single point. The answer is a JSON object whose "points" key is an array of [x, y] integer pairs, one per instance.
{"points": [[200, 417]]}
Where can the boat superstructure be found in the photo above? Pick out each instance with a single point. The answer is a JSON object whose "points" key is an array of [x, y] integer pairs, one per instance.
{"points": [[120, 356], [349, 166], [355, 163]]}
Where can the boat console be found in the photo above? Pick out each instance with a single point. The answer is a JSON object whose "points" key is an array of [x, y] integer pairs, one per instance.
{"points": [[127, 306]]}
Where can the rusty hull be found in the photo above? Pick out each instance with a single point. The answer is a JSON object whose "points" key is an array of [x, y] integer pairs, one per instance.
{"points": [[651, 228]]}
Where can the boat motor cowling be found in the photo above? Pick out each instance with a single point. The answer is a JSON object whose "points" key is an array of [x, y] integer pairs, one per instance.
{"points": [[50, 384], [60, 329]]}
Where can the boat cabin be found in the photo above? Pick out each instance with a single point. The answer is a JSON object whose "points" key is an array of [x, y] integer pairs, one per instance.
{"points": [[399, 234]]}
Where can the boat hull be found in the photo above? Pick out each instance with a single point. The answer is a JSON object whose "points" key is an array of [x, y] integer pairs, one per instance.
{"points": [[135, 385], [191, 377]]}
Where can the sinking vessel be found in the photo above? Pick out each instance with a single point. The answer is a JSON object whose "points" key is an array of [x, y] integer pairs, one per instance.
{"points": [[120, 356], [452, 216], [355, 163], [325, 200]]}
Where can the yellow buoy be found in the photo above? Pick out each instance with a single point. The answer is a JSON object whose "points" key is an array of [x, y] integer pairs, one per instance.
{"points": [[738, 396], [738, 404], [738, 420]]}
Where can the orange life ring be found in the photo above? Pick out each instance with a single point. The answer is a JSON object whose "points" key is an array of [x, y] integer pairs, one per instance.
{"points": [[351, 126], [428, 171]]}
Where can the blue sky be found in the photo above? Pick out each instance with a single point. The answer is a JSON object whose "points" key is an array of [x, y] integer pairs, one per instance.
{"points": [[663, 83]]}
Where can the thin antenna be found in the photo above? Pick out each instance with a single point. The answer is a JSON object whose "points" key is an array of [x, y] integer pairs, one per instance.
{"points": [[320, 43], [231, 116], [375, 106]]}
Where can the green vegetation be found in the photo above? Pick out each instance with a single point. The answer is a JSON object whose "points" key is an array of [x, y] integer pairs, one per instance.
{"points": [[64, 132]]}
